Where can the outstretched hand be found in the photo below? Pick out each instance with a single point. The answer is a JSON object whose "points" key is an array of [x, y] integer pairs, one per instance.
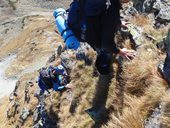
{"points": [[69, 86], [128, 54]]}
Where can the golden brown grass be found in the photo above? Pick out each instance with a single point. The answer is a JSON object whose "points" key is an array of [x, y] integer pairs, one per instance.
{"points": [[166, 114], [131, 119], [3, 107], [129, 104], [136, 110], [140, 20], [35, 43], [82, 96], [139, 72], [144, 89]]}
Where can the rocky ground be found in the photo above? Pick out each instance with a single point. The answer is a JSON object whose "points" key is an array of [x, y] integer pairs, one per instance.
{"points": [[27, 31]]}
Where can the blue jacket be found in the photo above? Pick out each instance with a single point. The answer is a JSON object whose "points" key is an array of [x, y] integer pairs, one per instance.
{"points": [[95, 7], [56, 85], [56, 81]]}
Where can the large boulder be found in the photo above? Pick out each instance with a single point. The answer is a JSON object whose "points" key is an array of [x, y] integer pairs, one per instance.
{"points": [[160, 8]]}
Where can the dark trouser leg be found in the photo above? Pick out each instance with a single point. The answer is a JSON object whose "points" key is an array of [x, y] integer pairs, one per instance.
{"points": [[94, 31], [110, 23], [94, 38], [100, 35]]}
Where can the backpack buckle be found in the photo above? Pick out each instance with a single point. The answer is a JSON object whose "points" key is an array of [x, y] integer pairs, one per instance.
{"points": [[108, 3]]}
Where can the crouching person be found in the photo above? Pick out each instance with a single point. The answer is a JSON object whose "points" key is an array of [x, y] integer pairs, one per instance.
{"points": [[53, 77], [165, 67]]}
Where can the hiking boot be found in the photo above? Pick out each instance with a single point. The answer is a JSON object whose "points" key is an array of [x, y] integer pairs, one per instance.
{"points": [[95, 115], [103, 63]]}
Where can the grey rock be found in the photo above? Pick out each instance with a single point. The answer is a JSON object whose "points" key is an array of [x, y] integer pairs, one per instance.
{"points": [[81, 53], [52, 58], [13, 109], [160, 8], [130, 11], [24, 114], [11, 97], [164, 10], [138, 5], [59, 50], [36, 115], [27, 95], [30, 83], [148, 5], [67, 61]]}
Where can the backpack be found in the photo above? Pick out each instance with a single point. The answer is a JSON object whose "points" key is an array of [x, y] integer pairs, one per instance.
{"points": [[76, 19], [45, 77]]}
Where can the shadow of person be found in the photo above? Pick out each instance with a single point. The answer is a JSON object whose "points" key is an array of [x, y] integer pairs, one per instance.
{"points": [[98, 112], [52, 120]]}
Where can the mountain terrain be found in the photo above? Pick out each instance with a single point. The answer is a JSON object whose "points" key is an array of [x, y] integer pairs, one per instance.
{"points": [[137, 97]]}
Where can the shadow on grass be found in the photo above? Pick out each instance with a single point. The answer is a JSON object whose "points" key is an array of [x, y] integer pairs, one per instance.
{"points": [[99, 101]]}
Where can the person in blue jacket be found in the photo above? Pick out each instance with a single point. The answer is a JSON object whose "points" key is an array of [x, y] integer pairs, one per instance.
{"points": [[53, 77], [103, 20]]}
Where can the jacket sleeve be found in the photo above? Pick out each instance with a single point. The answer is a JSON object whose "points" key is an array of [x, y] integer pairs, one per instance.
{"points": [[57, 87], [41, 85]]}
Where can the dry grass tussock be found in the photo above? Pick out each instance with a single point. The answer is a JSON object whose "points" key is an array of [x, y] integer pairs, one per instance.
{"points": [[140, 20], [3, 119], [136, 110], [157, 34], [151, 99], [131, 119], [72, 113], [166, 113], [138, 73], [143, 90]]}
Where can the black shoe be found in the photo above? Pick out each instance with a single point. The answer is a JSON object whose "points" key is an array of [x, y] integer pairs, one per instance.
{"points": [[93, 114]]}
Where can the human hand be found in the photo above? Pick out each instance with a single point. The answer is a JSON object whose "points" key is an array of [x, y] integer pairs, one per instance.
{"points": [[128, 54], [69, 86]]}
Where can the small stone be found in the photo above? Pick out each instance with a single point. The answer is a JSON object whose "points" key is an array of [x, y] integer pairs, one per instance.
{"points": [[24, 114]]}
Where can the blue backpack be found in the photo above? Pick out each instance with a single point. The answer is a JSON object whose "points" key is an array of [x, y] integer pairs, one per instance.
{"points": [[76, 19]]}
